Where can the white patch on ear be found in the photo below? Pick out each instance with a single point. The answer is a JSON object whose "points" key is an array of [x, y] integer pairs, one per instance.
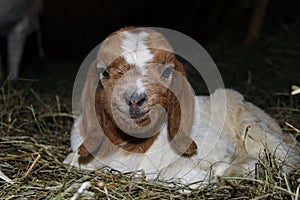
{"points": [[135, 51], [140, 86]]}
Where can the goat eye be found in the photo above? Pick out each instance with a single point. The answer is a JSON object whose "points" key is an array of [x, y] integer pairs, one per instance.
{"points": [[103, 71], [105, 74], [167, 72]]}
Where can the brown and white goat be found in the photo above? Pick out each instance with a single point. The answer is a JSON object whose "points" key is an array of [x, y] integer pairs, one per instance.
{"points": [[139, 112]]}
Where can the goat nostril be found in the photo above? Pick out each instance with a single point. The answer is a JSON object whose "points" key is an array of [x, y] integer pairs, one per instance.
{"points": [[141, 101], [136, 99], [136, 103]]}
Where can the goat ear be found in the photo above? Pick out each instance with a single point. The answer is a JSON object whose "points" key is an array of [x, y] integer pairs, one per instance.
{"points": [[92, 134], [181, 112]]}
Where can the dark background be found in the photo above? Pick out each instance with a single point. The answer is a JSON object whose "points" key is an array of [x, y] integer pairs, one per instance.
{"points": [[73, 27]]}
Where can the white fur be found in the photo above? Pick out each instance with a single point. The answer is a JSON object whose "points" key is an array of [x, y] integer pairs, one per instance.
{"points": [[216, 154], [135, 51], [76, 139], [140, 86]]}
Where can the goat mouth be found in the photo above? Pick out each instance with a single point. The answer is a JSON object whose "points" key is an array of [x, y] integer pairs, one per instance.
{"points": [[136, 115], [143, 120]]}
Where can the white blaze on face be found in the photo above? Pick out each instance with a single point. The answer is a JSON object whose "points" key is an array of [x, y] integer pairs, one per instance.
{"points": [[135, 51], [140, 86]]}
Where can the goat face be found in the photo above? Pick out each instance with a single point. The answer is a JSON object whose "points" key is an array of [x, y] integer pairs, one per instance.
{"points": [[136, 84], [140, 88]]}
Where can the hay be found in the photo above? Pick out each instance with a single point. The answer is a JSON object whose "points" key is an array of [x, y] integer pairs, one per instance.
{"points": [[34, 140]]}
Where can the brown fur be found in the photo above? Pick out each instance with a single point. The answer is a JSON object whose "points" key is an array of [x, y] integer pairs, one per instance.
{"points": [[180, 119]]}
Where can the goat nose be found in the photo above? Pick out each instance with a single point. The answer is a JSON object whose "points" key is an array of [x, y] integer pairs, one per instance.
{"points": [[137, 99]]}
